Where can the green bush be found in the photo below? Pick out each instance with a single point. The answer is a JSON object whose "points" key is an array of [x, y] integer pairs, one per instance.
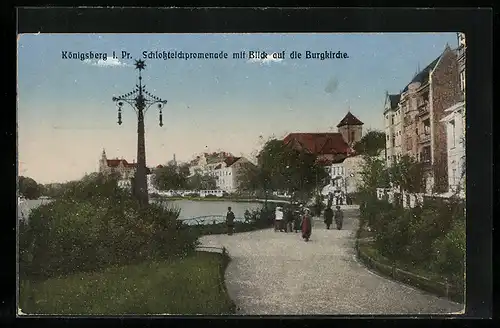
{"points": [[449, 252], [95, 225], [430, 238]]}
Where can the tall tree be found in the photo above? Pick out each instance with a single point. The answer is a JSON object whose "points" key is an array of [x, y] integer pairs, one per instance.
{"points": [[170, 177], [371, 143], [281, 168], [201, 181], [407, 174], [29, 188]]}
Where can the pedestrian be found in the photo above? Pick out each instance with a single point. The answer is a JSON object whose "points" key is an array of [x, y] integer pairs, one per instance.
{"points": [[278, 219], [306, 224], [339, 217], [230, 221], [328, 214]]}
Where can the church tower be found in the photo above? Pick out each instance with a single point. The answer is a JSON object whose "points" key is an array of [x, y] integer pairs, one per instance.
{"points": [[103, 162], [351, 129]]}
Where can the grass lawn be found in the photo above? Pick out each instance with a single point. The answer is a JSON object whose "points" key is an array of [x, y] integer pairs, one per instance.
{"points": [[192, 285]]}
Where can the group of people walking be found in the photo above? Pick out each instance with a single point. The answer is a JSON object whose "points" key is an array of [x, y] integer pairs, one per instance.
{"points": [[288, 220], [300, 219]]}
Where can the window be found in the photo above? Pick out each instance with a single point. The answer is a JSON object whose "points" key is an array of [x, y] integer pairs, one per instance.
{"points": [[352, 135], [392, 119], [416, 131], [409, 144], [452, 130], [462, 80]]}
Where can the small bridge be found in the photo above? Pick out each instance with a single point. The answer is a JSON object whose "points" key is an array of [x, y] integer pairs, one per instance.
{"points": [[211, 219]]}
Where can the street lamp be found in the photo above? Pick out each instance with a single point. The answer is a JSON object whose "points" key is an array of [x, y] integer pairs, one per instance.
{"points": [[140, 100]]}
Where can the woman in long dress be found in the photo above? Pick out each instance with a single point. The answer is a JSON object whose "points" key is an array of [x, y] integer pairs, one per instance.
{"points": [[306, 224]]}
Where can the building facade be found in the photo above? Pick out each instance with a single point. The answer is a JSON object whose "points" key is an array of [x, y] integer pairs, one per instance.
{"points": [[125, 169], [223, 166], [351, 129], [455, 126], [206, 163], [393, 128], [228, 173], [414, 126]]}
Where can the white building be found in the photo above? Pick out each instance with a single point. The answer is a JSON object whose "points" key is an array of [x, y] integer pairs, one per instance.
{"points": [[353, 167], [228, 172], [207, 162], [455, 140]]}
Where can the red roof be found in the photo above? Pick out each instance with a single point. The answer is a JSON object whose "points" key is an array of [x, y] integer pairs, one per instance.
{"points": [[159, 166], [116, 163], [349, 119], [318, 143]]}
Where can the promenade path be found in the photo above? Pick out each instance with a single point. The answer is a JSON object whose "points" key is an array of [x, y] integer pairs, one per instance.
{"points": [[276, 273]]}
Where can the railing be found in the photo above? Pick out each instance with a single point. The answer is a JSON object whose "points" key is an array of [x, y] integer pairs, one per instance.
{"points": [[210, 219], [424, 137], [422, 110]]}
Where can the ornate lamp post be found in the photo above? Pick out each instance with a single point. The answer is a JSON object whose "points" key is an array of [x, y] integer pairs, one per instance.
{"points": [[140, 100]]}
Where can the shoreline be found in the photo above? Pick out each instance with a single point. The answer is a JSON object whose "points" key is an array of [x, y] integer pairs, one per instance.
{"points": [[220, 199]]}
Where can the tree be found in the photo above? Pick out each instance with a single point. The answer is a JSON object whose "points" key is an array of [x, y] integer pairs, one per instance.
{"points": [[374, 174], [407, 174], [29, 188], [255, 179], [371, 144], [282, 168], [170, 177], [201, 181]]}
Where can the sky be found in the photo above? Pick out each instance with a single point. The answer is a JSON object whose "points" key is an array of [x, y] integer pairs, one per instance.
{"points": [[66, 115]]}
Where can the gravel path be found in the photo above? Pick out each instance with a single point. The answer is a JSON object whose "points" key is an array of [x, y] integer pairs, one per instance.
{"points": [[276, 273]]}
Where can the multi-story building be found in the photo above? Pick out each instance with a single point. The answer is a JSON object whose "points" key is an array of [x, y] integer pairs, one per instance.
{"points": [[206, 162], [125, 169], [393, 128], [225, 167], [455, 129], [229, 171], [421, 107]]}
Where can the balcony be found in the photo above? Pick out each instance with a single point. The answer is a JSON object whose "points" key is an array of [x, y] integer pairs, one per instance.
{"points": [[423, 110], [424, 137]]}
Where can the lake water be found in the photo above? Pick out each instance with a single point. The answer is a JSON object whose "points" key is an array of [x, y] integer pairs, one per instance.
{"points": [[189, 209]]}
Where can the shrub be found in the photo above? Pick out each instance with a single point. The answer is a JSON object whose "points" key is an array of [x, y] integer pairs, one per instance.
{"points": [[90, 229], [449, 252]]}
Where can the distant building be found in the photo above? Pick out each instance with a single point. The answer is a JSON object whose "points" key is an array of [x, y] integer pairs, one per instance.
{"points": [[225, 167], [229, 171], [125, 169], [329, 147], [351, 129], [172, 162], [205, 163]]}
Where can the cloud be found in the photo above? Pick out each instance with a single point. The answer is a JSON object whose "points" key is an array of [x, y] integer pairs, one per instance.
{"points": [[268, 60], [332, 85], [109, 62]]}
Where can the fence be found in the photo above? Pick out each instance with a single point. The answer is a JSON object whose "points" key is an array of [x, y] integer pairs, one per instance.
{"points": [[211, 219]]}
